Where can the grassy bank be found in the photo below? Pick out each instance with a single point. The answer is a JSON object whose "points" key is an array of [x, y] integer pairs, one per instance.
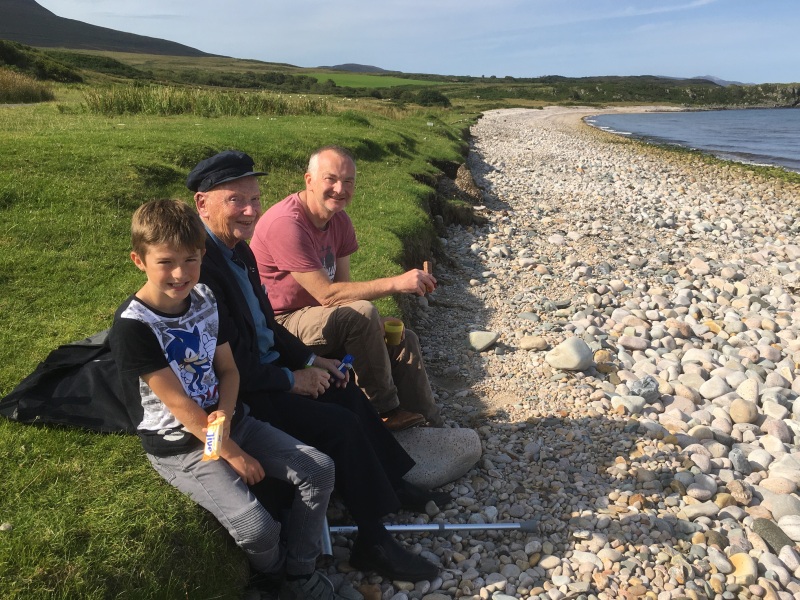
{"points": [[87, 517]]}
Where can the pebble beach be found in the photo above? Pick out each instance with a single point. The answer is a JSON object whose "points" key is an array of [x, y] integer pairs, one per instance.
{"points": [[623, 332]]}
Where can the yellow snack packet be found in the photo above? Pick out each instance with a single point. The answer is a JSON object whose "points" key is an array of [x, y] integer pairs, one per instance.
{"points": [[213, 439]]}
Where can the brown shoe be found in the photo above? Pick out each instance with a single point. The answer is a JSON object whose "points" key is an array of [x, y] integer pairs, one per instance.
{"points": [[398, 419]]}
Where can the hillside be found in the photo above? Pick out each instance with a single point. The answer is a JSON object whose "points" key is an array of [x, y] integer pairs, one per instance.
{"points": [[66, 50], [356, 68], [27, 22]]}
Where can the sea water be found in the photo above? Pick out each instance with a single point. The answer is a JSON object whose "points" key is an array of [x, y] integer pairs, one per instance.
{"points": [[768, 136]]}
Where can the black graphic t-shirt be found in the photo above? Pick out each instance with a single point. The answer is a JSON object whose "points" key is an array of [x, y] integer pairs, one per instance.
{"points": [[144, 340]]}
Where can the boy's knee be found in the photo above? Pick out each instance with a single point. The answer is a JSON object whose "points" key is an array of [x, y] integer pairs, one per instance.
{"points": [[325, 463], [256, 530], [319, 468]]}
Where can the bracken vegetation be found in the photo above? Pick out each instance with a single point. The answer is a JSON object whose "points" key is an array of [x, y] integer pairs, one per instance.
{"points": [[166, 100], [35, 63], [18, 88]]}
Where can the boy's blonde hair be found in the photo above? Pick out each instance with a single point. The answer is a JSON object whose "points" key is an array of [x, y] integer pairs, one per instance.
{"points": [[169, 222]]}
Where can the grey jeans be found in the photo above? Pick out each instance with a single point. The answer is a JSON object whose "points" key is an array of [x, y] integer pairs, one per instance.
{"points": [[215, 486]]}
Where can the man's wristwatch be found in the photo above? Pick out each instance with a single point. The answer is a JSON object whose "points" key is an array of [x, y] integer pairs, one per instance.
{"points": [[311, 359]]}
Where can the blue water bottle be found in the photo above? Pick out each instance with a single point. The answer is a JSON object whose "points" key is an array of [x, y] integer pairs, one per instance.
{"points": [[347, 363]]}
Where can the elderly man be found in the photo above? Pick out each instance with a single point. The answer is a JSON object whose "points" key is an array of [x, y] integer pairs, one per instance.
{"points": [[303, 246], [278, 385]]}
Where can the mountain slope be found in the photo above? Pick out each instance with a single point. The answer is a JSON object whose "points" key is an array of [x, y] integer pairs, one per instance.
{"points": [[27, 22], [722, 82], [356, 68]]}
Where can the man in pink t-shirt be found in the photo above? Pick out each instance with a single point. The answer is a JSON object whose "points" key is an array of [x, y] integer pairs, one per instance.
{"points": [[303, 246]]}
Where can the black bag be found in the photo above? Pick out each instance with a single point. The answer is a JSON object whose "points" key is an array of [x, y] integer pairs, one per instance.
{"points": [[77, 384]]}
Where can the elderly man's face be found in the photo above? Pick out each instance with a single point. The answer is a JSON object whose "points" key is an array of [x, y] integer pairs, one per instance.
{"points": [[329, 188], [231, 209]]}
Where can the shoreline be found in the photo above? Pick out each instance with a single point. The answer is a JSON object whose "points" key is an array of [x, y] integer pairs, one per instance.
{"points": [[680, 146], [666, 466]]}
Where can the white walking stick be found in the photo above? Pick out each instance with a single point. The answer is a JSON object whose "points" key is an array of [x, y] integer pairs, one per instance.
{"points": [[525, 526]]}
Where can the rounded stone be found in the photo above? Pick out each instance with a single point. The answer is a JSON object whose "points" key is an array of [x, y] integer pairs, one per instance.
{"points": [[743, 411], [533, 342], [630, 342], [790, 525], [748, 390], [745, 569], [549, 562], [772, 534], [779, 485], [481, 340], [779, 430], [714, 388], [760, 459], [573, 354]]}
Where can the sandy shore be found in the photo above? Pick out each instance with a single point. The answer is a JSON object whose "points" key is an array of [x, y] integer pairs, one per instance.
{"points": [[637, 395]]}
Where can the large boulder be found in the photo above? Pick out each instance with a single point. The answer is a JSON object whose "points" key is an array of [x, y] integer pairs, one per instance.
{"points": [[442, 454]]}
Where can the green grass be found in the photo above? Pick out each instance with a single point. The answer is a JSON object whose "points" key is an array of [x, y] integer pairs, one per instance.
{"points": [[364, 80], [89, 516]]}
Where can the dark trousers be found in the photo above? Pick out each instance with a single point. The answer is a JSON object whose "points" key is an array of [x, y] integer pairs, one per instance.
{"points": [[343, 424]]}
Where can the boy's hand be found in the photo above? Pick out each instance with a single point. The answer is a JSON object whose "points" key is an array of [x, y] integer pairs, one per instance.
{"points": [[310, 382], [246, 467], [331, 365], [226, 424]]}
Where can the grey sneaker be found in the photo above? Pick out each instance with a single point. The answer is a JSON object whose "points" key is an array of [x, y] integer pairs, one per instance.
{"points": [[316, 587]]}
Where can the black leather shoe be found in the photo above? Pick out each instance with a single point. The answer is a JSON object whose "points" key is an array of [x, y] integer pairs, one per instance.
{"points": [[389, 559], [415, 498]]}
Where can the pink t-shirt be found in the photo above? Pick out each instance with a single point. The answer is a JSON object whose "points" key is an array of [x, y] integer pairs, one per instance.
{"points": [[286, 240]]}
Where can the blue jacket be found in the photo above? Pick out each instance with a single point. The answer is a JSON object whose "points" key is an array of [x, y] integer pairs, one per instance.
{"points": [[232, 306]]}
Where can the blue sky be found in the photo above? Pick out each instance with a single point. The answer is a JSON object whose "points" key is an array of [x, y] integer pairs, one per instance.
{"points": [[752, 41]]}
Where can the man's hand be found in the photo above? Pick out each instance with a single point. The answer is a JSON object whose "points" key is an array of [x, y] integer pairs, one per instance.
{"points": [[415, 281], [331, 365], [246, 467], [311, 382]]}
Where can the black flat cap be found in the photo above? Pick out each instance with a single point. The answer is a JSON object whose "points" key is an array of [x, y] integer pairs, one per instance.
{"points": [[222, 167]]}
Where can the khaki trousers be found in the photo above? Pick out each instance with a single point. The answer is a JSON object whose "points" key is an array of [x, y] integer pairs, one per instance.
{"points": [[390, 376]]}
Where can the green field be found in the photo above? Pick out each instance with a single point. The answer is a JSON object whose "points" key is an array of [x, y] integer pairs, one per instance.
{"points": [[88, 516], [365, 80]]}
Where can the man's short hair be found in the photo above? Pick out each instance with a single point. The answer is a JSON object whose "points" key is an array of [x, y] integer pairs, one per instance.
{"points": [[169, 222], [340, 150]]}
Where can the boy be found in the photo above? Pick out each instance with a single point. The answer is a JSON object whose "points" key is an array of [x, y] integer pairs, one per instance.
{"points": [[175, 362]]}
